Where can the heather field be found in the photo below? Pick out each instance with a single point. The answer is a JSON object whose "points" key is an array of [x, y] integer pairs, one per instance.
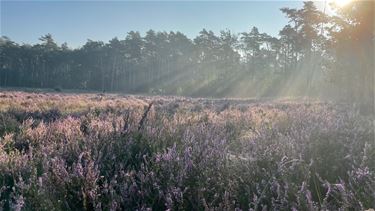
{"points": [[116, 152]]}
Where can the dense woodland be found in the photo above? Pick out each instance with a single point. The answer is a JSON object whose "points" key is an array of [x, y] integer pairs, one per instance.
{"points": [[315, 53]]}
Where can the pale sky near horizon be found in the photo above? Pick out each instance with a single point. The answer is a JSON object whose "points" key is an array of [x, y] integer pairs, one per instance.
{"points": [[76, 21]]}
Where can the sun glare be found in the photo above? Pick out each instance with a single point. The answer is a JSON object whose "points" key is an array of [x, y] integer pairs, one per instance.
{"points": [[341, 3]]}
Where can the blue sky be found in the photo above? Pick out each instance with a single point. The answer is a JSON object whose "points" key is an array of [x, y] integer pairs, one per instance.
{"points": [[76, 21]]}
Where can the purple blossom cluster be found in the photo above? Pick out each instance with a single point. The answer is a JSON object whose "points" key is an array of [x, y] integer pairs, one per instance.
{"points": [[112, 152]]}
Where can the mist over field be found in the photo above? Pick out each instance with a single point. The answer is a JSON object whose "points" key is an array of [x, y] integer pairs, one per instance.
{"points": [[162, 120]]}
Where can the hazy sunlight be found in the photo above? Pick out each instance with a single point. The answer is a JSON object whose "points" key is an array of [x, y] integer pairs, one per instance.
{"points": [[341, 3]]}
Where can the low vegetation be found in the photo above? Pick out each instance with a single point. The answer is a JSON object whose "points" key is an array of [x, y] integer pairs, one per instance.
{"points": [[111, 152]]}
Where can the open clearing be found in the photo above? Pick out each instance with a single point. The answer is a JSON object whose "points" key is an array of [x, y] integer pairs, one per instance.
{"points": [[114, 152]]}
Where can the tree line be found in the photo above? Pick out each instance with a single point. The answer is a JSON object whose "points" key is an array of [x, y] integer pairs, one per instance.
{"points": [[314, 53]]}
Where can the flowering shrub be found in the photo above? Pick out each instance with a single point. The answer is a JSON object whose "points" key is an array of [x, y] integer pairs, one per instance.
{"points": [[91, 152]]}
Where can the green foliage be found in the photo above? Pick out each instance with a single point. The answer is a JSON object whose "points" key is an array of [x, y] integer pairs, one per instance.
{"points": [[8, 124]]}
